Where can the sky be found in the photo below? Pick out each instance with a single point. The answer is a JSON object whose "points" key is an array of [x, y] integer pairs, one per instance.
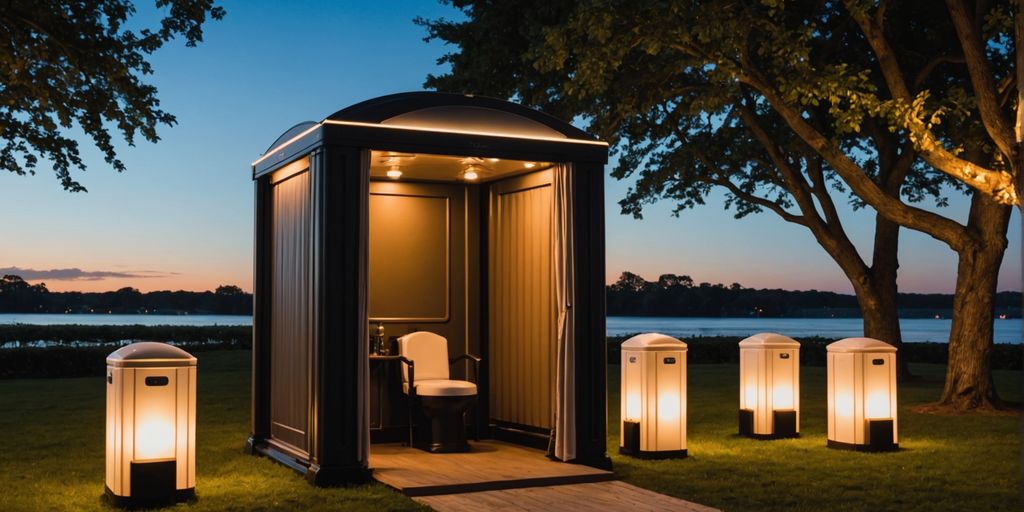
{"points": [[181, 216]]}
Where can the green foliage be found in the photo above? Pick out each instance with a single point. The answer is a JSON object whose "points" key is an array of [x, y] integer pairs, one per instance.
{"points": [[667, 84], [75, 63], [677, 296]]}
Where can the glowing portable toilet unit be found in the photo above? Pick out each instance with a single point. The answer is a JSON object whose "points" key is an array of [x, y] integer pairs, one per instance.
{"points": [[769, 386], [862, 395], [151, 424], [653, 397]]}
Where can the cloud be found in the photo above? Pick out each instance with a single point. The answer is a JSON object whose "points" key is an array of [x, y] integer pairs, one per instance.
{"points": [[77, 274]]}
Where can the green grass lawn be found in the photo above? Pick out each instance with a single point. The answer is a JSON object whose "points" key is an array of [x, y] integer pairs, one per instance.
{"points": [[944, 462], [51, 449], [51, 452]]}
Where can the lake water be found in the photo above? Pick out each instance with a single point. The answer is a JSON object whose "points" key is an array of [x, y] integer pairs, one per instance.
{"points": [[914, 329]]}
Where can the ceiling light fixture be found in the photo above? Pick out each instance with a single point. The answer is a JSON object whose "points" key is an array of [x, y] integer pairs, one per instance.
{"points": [[470, 174], [394, 173], [530, 165]]}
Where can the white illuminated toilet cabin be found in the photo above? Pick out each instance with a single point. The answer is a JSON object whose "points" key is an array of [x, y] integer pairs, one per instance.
{"points": [[653, 401], [862, 395], [769, 386], [442, 401], [151, 425]]}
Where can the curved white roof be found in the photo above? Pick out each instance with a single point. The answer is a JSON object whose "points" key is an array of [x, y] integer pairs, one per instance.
{"points": [[769, 340], [653, 341], [860, 345], [149, 354]]}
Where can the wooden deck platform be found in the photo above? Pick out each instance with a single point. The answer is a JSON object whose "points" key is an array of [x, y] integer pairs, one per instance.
{"points": [[492, 465], [603, 496]]}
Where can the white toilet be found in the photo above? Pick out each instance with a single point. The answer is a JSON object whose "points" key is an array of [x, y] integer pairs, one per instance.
{"points": [[443, 401]]}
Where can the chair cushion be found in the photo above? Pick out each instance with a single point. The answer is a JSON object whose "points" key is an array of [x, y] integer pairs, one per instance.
{"points": [[428, 351], [444, 388]]}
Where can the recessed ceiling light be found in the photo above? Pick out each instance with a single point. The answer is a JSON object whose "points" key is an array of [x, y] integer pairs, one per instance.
{"points": [[530, 165], [493, 159], [394, 173], [470, 175]]}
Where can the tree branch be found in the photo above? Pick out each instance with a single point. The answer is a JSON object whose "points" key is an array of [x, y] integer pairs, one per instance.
{"points": [[998, 184], [997, 126], [939, 227], [930, 66]]}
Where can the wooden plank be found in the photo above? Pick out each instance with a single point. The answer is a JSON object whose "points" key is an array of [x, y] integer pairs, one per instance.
{"points": [[611, 496], [492, 465]]}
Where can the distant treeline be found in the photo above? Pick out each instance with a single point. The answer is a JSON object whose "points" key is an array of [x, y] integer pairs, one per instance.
{"points": [[18, 296], [678, 295], [631, 295]]}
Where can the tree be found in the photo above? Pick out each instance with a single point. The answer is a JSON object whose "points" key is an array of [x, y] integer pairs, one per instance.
{"points": [[783, 105], [229, 290], [689, 134], [68, 63], [631, 282]]}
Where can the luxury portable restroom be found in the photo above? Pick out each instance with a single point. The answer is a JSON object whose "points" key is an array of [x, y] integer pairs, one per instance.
{"points": [[476, 219]]}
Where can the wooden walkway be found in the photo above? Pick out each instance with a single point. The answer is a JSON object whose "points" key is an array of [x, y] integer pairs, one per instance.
{"points": [[603, 496], [492, 465], [509, 477]]}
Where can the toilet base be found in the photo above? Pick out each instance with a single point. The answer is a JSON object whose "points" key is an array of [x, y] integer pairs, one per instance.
{"points": [[441, 425]]}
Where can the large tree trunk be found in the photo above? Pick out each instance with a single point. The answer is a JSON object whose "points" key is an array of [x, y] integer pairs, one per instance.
{"points": [[969, 383], [881, 315]]}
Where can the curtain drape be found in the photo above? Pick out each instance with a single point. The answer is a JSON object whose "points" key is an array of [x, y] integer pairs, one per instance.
{"points": [[563, 439]]}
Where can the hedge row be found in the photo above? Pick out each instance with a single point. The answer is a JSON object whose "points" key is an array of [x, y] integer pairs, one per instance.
{"points": [[724, 349], [81, 350]]}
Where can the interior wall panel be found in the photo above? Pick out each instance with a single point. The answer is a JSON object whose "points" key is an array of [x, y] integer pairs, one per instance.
{"points": [[290, 310], [521, 301]]}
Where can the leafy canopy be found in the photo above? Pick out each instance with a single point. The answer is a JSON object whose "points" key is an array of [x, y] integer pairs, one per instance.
{"points": [[68, 63], [771, 97]]}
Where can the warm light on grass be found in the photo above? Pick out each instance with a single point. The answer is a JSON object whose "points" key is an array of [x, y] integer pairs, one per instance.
{"points": [[55, 427]]}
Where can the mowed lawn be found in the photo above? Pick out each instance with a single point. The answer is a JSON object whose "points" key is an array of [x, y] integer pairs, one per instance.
{"points": [[51, 452]]}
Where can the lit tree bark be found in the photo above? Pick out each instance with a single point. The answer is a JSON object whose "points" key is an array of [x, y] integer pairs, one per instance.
{"points": [[1018, 24], [969, 383]]}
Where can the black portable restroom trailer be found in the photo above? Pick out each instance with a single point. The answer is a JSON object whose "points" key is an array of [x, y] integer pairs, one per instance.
{"points": [[510, 266]]}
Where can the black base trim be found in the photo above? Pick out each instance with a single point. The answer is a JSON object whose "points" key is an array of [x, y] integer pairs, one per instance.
{"points": [[262, 448], [603, 462], [746, 422], [667, 454], [892, 447], [522, 437], [180, 496], [332, 476], [783, 421]]}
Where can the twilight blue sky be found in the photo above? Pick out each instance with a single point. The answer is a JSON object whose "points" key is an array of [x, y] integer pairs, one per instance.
{"points": [[181, 216]]}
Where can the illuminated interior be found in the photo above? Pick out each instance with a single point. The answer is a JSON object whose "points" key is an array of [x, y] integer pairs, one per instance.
{"points": [[432, 218], [427, 167]]}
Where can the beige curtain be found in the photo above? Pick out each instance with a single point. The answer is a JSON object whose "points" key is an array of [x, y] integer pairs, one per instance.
{"points": [[563, 438]]}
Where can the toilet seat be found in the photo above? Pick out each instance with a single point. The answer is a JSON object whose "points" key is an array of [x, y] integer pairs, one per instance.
{"points": [[443, 387]]}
